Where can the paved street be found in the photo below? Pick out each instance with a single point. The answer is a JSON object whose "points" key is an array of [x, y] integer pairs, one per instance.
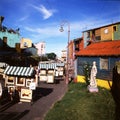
{"points": [[45, 97]]}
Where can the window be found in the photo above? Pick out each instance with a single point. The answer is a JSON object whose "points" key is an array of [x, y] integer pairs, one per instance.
{"points": [[104, 63], [114, 28], [97, 38], [106, 31], [25, 44], [77, 46]]}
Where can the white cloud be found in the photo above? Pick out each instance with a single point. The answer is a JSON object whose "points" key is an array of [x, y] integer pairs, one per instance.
{"points": [[45, 32], [56, 40], [23, 18], [52, 30], [47, 13]]}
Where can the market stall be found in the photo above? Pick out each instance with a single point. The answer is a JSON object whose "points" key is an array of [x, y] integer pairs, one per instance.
{"points": [[43, 75], [50, 71], [19, 80], [50, 76], [60, 69]]}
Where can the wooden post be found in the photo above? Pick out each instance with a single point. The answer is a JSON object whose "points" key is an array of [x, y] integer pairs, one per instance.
{"points": [[115, 89]]}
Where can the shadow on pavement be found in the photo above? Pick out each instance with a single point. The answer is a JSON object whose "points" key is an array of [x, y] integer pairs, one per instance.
{"points": [[13, 115], [41, 92], [6, 106], [5, 101]]}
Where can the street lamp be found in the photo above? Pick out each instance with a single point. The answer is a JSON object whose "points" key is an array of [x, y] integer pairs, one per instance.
{"points": [[61, 30]]}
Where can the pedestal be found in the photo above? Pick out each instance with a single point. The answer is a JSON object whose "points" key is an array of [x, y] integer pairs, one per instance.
{"points": [[92, 88]]}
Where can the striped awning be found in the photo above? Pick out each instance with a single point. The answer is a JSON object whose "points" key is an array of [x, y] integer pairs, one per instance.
{"points": [[50, 65], [19, 71]]}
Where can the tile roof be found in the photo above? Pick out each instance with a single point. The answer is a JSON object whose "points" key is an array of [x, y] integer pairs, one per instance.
{"points": [[106, 48]]}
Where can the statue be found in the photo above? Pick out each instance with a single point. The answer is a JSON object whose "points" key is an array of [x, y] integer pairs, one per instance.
{"points": [[93, 83]]}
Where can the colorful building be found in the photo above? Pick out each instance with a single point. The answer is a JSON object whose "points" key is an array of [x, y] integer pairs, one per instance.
{"points": [[104, 33], [41, 48], [106, 54], [8, 37], [25, 43], [101, 45]]}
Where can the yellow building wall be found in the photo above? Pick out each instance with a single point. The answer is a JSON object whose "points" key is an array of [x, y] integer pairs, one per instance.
{"points": [[107, 33], [100, 82], [25, 41], [98, 32]]}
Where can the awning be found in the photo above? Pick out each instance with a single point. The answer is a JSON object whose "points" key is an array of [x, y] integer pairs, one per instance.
{"points": [[19, 71], [50, 65]]}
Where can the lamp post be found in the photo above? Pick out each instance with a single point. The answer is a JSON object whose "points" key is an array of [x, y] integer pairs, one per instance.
{"points": [[61, 30]]}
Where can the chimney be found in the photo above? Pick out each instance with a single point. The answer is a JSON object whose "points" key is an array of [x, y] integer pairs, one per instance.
{"points": [[4, 41], [17, 46], [1, 20]]}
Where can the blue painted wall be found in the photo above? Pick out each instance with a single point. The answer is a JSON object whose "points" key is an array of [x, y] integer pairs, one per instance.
{"points": [[12, 38], [102, 74]]}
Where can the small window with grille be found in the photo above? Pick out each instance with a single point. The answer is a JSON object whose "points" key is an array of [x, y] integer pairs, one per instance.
{"points": [[104, 63]]}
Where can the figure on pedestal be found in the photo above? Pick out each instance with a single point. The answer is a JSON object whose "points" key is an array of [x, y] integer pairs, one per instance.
{"points": [[93, 83]]}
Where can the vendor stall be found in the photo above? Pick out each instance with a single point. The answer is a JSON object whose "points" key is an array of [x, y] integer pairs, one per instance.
{"points": [[50, 76], [18, 79], [43, 75], [60, 69]]}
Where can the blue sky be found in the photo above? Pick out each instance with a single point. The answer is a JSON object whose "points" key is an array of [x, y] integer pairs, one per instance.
{"points": [[39, 20]]}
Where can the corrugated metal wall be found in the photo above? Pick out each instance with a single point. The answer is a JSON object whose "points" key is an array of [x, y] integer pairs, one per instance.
{"points": [[102, 74], [116, 34]]}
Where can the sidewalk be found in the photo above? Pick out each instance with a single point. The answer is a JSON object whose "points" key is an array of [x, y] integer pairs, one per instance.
{"points": [[46, 96]]}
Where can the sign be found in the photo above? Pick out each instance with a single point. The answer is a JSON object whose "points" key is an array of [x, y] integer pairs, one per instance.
{"points": [[26, 95], [32, 86]]}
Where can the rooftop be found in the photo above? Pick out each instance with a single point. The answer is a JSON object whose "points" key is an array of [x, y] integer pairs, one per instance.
{"points": [[106, 48]]}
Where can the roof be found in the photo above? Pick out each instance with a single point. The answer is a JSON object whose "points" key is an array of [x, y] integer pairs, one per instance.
{"points": [[108, 48], [103, 26], [19, 71]]}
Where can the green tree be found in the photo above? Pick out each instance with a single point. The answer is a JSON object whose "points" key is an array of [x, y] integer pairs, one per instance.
{"points": [[51, 56]]}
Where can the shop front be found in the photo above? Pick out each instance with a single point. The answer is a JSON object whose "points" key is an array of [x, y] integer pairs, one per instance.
{"points": [[20, 81]]}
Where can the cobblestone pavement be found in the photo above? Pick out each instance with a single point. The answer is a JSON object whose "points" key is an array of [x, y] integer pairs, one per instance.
{"points": [[45, 97]]}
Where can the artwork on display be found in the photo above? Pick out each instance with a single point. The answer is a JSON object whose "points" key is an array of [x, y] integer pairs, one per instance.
{"points": [[43, 78], [10, 80], [50, 79], [20, 81], [61, 73], [11, 89], [43, 72], [32, 85], [28, 81], [26, 95], [50, 71], [0, 89], [56, 73]]}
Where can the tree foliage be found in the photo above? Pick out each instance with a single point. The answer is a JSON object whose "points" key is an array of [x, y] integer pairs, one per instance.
{"points": [[51, 56]]}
